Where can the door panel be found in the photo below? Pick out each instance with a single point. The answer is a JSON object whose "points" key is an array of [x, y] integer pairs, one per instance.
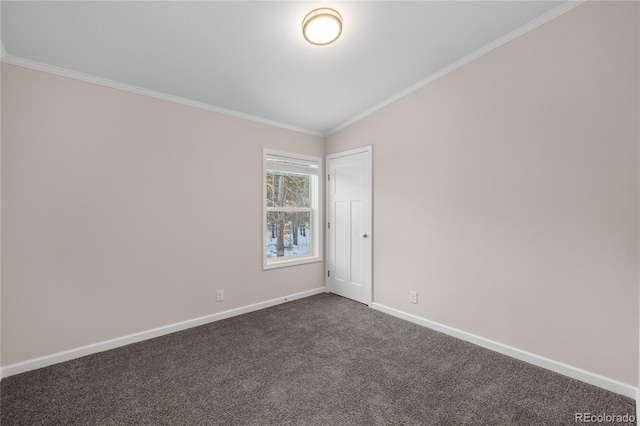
{"points": [[340, 241], [348, 178], [349, 233], [357, 243]]}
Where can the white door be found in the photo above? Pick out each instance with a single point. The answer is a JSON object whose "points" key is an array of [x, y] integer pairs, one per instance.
{"points": [[349, 224]]}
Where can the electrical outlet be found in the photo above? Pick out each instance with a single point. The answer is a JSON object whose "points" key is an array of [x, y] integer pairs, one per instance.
{"points": [[413, 296], [219, 295]]}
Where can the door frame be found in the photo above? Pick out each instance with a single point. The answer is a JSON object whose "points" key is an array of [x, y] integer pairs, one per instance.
{"points": [[369, 149]]}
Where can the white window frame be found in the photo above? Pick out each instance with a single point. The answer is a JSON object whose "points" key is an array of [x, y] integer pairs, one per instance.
{"points": [[315, 254]]}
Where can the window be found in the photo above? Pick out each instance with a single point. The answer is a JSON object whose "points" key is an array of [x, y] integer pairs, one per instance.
{"points": [[291, 217]]}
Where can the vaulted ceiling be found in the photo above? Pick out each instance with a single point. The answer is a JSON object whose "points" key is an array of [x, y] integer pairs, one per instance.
{"points": [[250, 59]]}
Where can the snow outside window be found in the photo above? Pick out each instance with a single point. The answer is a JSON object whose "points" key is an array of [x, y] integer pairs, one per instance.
{"points": [[291, 215]]}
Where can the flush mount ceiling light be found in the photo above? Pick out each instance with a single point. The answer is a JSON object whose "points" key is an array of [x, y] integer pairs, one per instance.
{"points": [[322, 26]]}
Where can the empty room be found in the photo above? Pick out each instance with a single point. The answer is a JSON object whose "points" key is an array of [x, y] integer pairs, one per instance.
{"points": [[319, 213]]}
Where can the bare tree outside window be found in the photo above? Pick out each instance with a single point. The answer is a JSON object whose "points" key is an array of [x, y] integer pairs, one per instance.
{"points": [[287, 230], [291, 212]]}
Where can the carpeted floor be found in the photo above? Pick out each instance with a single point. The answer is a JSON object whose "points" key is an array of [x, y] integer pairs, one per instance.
{"points": [[322, 360]]}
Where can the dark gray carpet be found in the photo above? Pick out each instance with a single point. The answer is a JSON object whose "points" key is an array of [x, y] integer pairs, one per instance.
{"points": [[323, 360]]}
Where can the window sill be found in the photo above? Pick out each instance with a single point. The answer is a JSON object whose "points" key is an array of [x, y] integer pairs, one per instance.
{"points": [[275, 264]]}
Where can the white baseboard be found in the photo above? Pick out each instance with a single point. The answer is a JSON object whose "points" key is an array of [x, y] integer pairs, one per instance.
{"points": [[555, 366], [56, 358]]}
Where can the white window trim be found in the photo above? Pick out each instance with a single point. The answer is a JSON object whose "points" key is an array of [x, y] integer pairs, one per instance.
{"points": [[316, 214]]}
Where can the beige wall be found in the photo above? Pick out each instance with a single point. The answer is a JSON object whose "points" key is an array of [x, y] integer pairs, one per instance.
{"points": [[507, 193], [122, 213]]}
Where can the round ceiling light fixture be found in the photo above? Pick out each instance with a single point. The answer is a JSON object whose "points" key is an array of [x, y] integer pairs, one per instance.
{"points": [[322, 26]]}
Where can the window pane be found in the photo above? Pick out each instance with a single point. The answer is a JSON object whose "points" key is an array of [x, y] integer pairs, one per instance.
{"points": [[287, 189], [288, 234]]}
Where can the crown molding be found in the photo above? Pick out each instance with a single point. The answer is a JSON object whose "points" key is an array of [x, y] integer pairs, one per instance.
{"points": [[543, 19], [552, 14], [63, 72]]}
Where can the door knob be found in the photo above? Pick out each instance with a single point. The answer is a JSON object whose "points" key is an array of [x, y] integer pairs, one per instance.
{"points": [[364, 235]]}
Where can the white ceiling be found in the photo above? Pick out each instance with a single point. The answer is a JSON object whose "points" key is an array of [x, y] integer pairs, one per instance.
{"points": [[251, 58]]}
